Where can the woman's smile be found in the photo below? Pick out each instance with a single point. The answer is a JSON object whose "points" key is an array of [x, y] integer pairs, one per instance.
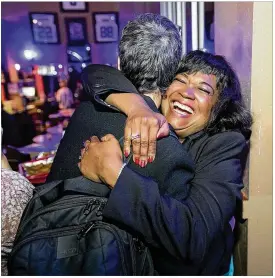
{"points": [[189, 102], [182, 109]]}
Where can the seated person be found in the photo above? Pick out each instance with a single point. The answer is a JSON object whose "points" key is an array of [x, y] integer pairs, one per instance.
{"points": [[16, 191]]}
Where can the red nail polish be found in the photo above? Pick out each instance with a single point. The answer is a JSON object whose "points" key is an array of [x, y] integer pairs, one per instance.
{"points": [[150, 159], [126, 153], [137, 160], [140, 163]]}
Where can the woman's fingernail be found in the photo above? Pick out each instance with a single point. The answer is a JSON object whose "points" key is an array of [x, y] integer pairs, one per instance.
{"points": [[126, 153], [150, 159], [140, 163], [137, 160]]}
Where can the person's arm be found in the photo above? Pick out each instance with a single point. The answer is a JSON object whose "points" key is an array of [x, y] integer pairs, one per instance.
{"points": [[108, 86], [183, 227]]}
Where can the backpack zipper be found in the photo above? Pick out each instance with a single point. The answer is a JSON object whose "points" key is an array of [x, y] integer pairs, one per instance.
{"points": [[47, 234], [77, 202], [43, 211]]}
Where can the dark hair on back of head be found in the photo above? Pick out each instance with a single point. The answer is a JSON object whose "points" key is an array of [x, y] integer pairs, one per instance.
{"points": [[229, 113], [150, 50]]}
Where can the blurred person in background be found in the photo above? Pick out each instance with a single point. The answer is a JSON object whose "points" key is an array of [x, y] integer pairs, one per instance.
{"points": [[16, 191], [78, 93], [64, 95], [19, 129], [74, 76]]}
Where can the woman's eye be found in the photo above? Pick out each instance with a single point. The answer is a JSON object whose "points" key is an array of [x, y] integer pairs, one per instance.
{"points": [[180, 80], [205, 91]]}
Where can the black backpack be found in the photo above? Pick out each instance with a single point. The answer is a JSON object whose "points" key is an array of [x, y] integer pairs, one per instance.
{"points": [[62, 233]]}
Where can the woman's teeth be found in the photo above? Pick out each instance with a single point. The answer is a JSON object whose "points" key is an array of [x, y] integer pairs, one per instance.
{"points": [[181, 108]]}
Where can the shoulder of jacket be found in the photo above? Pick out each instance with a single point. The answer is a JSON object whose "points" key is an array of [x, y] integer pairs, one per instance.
{"points": [[227, 136], [226, 139]]}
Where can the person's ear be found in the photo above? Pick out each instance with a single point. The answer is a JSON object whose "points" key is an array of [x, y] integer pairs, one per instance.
{"points": [[118, 63]]}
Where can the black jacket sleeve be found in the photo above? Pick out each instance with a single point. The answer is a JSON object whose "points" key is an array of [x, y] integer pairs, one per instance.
{"points": [[183, 227], [100, 80]]}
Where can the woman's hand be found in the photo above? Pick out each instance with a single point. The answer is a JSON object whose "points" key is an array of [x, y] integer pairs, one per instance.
{"points": [[143, 128], [101, 161]]}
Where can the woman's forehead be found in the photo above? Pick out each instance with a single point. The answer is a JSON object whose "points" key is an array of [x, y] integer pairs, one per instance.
{"points": [[199, 76]]}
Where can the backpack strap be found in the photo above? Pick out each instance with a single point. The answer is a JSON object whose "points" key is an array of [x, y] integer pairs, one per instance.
{"points": [[86, 186], [78, 185], [35, 203]]}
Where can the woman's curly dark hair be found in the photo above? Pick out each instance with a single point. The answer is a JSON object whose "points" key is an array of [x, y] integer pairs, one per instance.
{"points": [[229, 112]]}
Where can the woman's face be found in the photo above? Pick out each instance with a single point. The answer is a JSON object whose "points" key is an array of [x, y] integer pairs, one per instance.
{"points": [[189, 101]]}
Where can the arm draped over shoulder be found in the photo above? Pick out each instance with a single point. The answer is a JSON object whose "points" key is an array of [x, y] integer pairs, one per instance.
{"points": [[185, 227]]}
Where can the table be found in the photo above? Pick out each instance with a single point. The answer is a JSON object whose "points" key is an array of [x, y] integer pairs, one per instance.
{"points": [[42, 143], [66, 113], [34, 149], [55, 116], [58, 129], [48, 139]]}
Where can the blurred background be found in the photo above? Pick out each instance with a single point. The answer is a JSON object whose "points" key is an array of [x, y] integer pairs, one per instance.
{"points": [[45, 45]]}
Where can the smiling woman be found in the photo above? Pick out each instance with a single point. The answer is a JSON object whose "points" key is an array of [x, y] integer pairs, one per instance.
{"points": [[188, 102], [187, 235], [208, 85]]}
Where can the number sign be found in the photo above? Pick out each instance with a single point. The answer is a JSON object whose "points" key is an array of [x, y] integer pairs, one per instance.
{"points": [[106, 27], [44, 28]]}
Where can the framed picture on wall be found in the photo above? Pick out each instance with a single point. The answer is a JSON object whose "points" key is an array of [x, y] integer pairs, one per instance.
{"points": [[76, 31], [74, 7], [105, 27], [44, 28]]}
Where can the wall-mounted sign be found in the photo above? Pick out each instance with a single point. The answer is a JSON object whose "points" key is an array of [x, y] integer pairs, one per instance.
{"points": [[44, 28], [76, 31], [74, 6], [106, 27]]}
